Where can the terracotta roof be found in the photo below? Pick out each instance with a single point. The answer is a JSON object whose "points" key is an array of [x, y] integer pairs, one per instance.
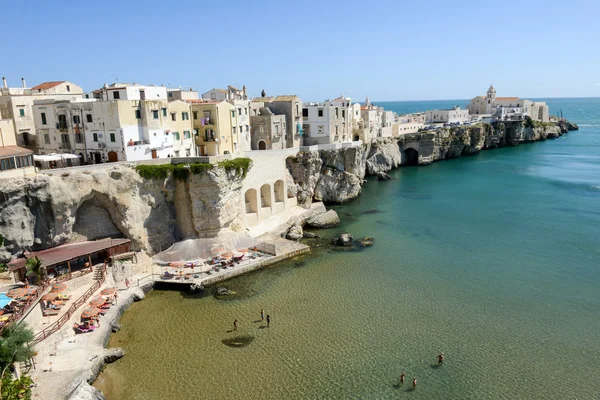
{"points": [[47, 85], [14, 151], [67, 252], [287, 97], [507, 98]]}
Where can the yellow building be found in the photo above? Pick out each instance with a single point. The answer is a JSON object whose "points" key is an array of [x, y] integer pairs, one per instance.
{"points": [[212, 120], [179, 122]]}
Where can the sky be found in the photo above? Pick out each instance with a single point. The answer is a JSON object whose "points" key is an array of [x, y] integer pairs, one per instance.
{"points": [[386, 49]]}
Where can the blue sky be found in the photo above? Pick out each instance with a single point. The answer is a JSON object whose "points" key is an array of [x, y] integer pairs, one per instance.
{"points": [[386, 49]]}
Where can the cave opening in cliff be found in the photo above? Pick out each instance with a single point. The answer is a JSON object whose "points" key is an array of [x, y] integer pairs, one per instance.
{"points": [[412, 156]]}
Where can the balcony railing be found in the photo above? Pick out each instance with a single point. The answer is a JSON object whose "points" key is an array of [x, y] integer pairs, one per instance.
{"points": [[206, 121], [63, 126]]}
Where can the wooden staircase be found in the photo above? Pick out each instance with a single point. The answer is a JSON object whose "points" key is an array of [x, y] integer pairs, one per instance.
{"points": [[99, 271]]}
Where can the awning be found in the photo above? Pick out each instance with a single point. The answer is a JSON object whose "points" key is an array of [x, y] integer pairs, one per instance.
{"points": [[45, 158], [64, 155]]}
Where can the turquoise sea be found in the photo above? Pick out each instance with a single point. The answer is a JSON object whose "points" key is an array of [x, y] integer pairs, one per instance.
{"points": [[493, 259]]}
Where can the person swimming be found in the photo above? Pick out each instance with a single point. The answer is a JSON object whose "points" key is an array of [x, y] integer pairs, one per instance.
{"points": [[414, 383], [402, 376], [440, 358]]}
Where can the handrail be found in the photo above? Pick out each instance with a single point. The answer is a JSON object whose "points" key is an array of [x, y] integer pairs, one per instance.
{"points": [[56, 325]]}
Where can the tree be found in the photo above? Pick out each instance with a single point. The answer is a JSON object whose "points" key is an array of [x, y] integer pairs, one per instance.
{"points": [[34, 267], [17, 389], [14, 349]]}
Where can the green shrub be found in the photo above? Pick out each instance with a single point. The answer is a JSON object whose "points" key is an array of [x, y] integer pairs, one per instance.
{"points": [[240, 165], [154, 171], [182, 171]]}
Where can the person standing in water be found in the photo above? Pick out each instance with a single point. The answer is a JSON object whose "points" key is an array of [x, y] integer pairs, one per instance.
{"points": [[402, 376], [262, 314], [414, 383], [268, 320], [235, 325], [440, 358]]}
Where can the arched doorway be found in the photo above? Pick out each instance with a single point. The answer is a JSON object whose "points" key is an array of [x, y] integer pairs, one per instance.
{"points": [[112, 156], [412, 156], [356, 138], [97, 158], [262, 145]]}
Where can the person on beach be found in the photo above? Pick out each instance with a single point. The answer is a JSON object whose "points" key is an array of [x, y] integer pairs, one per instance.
{"points": [[414, 383], [268, 321], [402, 376], [235, 325], [440, 358], [127, 283], [116, 298], [262, 314]]}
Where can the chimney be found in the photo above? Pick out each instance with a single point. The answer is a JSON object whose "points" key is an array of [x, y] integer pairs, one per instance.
{"points": [[4, 84], [23, 81]]}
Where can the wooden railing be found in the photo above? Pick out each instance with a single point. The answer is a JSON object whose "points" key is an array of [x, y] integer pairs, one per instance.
{"points": [[56, 325], [31, 301]]}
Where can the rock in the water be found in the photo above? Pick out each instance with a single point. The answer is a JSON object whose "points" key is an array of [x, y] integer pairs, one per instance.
{"points": [[223, 291], [238, 341], [367, 241], [112, 355], [345, 239], [138, 294], [324, 220], [382, 176], [310, 235], [295, 232], [116, 327], [85, 391]]}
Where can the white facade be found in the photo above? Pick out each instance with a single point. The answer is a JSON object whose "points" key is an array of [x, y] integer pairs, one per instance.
{"points": [[135, 92], [327, 123], [508, 107], [453, 115], [240, 125]]}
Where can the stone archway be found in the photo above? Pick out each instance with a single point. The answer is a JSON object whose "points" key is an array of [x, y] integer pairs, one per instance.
{"points": [[251, 201], [112, 156], [265, 195], [356, 138], [412, 156], [262, 145], [279, 191]]}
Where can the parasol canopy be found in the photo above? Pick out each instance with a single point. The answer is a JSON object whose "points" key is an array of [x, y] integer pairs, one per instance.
{"points": [[17, 292], [97, 302], [50, 296], [90, 312], [59, 287], [108, 291]]}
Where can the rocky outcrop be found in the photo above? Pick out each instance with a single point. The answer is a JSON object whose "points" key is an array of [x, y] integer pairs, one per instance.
{"points": [[336, 186], [85, 391], [295, 232], [382, 176], [383, 156], [323, 220]]}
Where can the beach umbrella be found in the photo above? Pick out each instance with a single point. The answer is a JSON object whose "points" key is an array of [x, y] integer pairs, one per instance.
{"points": [[90, 312], [108, 291], [31, 291], [50, 296], [17, 292], [59, 287], [98, 301]]}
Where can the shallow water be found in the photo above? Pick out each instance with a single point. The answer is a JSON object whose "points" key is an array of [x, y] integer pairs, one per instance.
{"points": [[492, 259]]}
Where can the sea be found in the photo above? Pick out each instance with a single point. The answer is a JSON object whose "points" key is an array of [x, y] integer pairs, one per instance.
{"points": [[492, 259]]}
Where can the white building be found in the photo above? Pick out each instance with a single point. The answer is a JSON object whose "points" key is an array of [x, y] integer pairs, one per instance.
{"points": [[409, 123], [453, 115], [16, 104], [231, 93], [327, 123], [181, 94]]}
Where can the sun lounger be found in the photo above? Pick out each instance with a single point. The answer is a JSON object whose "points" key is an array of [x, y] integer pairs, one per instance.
{"points": [[83, 330], [48, 313]]}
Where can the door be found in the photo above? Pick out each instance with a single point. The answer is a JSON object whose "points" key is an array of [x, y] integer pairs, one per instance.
{"points": [[112, 156], [202, 150], [154, 155], [97, 158]]}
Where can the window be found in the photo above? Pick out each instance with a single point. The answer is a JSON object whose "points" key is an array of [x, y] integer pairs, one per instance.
{"points": [[22, 112], [177, 154], [247, 128], [116, 95], [195, 114], [43, 118], [321, 129], [88, 117], [46, 138], [176, 135], [343, 113], [241, 129], [186, 134], [276, 129], [62, 121], [95, 137], [164, 111], [233, 129], [239, 111], [297, 109], [245, 111], [233, 114], [213, 96], [68, 88], [78, 138], [320, 112], [305, 112], [173, 116], [138, 114], [336, 130], [155, 114], [112, 137], [170, 95], [185, 116], [76, 119], [64, 138], [337, 114]]}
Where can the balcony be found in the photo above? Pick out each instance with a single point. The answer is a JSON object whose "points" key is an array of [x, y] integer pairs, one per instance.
{"points": [[65, 146], [207, 121], [62, 126]]}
